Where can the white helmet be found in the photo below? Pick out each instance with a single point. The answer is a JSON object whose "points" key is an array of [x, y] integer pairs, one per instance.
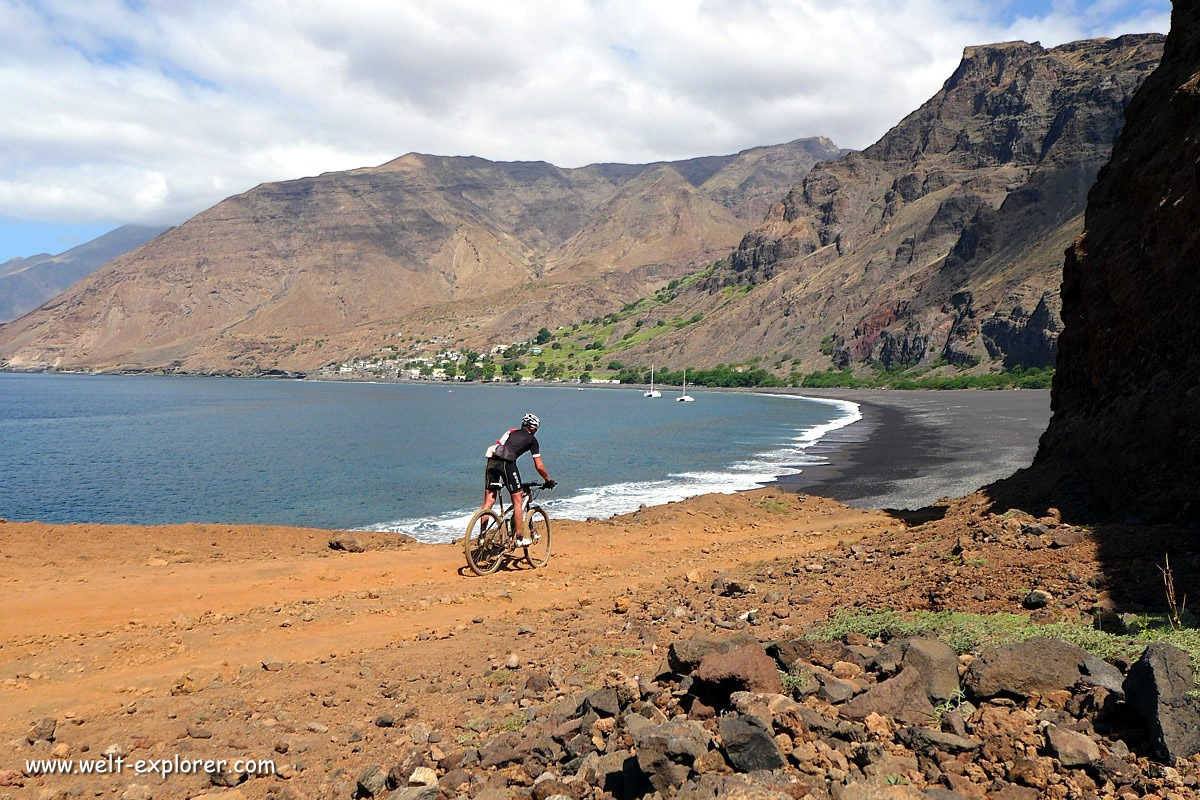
{"points": [[531, 422]]}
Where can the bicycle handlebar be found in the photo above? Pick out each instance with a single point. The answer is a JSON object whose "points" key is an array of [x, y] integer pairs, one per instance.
{"points": [[528, 486]]}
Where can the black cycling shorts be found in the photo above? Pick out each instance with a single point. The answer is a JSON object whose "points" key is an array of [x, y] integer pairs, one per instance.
{"points": [[503, 472]]}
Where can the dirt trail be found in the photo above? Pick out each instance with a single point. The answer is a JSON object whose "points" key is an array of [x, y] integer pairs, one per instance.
{"points": [[95, 615]]}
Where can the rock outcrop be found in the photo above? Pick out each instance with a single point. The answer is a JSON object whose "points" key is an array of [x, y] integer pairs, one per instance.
{"points": [[1124, 440], [943, 240]]}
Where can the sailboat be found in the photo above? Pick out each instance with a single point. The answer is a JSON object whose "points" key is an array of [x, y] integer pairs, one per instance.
{"points": [[684, 397], [653, 392]]}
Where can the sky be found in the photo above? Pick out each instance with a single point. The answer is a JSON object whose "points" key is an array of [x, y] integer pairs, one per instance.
{"points": [[150, 111]]}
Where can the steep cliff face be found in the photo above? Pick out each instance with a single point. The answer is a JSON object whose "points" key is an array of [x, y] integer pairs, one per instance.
{"points": [[944, 239], [298, 273], [1124, 439]]}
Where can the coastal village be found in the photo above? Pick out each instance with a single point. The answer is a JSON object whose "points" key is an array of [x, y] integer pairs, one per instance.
{"points": [[499, 364]]}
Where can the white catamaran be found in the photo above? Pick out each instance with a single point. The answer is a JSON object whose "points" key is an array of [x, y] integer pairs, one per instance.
{"points": [[684, 397], [653, 392]]}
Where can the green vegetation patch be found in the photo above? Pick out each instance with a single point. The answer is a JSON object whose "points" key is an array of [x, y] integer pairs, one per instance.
{"points": [[501, 677], [772, 505], [971, 633]]}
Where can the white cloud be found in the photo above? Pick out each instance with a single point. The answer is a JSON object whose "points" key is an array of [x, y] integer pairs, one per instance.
{"points": [[150, 112]]}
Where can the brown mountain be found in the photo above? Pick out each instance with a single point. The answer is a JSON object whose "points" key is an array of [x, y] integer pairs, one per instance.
{"points": [[26, 283], [944, 239], [1124, 440], [300, 273]]}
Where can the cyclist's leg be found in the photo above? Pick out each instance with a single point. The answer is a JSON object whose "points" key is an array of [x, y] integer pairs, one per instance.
{"points": [[518, 498], [492, 478], [512, 477]]}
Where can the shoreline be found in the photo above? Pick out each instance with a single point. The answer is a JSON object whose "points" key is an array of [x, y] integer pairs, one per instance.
{"points": [[904, 449], [912, 448]]}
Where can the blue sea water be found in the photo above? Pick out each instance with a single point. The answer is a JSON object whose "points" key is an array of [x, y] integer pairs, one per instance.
{"points": [[157, 450]]}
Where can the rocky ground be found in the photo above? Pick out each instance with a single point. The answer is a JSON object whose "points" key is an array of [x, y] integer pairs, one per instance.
{"points": [[724, 646]]}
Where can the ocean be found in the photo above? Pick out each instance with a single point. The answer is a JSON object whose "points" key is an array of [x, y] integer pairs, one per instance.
{"points": [[394, 457]]}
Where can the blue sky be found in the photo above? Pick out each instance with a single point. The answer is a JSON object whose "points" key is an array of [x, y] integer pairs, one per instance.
{"points": [[149, 112]]}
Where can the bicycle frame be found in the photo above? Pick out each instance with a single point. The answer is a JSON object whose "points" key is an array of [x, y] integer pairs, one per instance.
{"points": [[506, 513]]}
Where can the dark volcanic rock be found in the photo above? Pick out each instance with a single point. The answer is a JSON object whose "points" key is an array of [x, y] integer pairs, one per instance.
{"points": [[1124, 441], [1157, 690], [936, 661], [1019, 670], [666, 752], [902, 697], [749, 746]]}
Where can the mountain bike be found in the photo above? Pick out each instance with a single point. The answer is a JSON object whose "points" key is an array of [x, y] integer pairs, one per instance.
{"points": [[492, 534]]}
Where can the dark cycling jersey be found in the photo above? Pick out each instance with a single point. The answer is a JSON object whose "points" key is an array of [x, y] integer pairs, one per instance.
{"points": [[514, 444]]}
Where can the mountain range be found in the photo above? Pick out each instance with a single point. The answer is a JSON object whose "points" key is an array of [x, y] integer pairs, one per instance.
{"points": [[940, 246], [26, 283], [297, 273]]}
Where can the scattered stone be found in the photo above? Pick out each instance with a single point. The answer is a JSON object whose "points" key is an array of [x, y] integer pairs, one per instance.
{"points": [[429, 793], [1031, 667], [512, 661], [937, 664], [927, 739], [1070, 748], [423, 776], [833, 689], [727, 587], [1157, 689], [137, 791], [372, 782], [1037, 598], [42, 730], [902, 698], [683, 657], [198, 732], [665, 753], [749, 745], [603, 701], [747, 669], [385, 720]]}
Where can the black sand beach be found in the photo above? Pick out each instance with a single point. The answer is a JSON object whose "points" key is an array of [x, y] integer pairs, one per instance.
{"points": [[912, 448]]}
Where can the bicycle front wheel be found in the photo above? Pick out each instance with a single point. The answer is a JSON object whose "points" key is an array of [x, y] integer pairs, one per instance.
{"points": [[537, 523], [484, 542]]}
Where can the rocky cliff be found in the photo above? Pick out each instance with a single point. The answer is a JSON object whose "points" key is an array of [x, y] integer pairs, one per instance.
{"points": [[1124, 439], [943, 241], [300, 273]]}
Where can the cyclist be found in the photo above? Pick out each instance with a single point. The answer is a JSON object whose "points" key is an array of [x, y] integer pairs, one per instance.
{"points": [[502, 468]]}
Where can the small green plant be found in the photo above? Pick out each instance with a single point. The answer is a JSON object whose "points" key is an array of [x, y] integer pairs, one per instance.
{"points": [[514, 722], [795, 681], [501, 677], [950, 704], [895, 780], [772, 505]]}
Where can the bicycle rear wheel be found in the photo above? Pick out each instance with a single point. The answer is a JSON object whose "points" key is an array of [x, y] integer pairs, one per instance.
{"points": [[537, 523], [484, 542]]}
